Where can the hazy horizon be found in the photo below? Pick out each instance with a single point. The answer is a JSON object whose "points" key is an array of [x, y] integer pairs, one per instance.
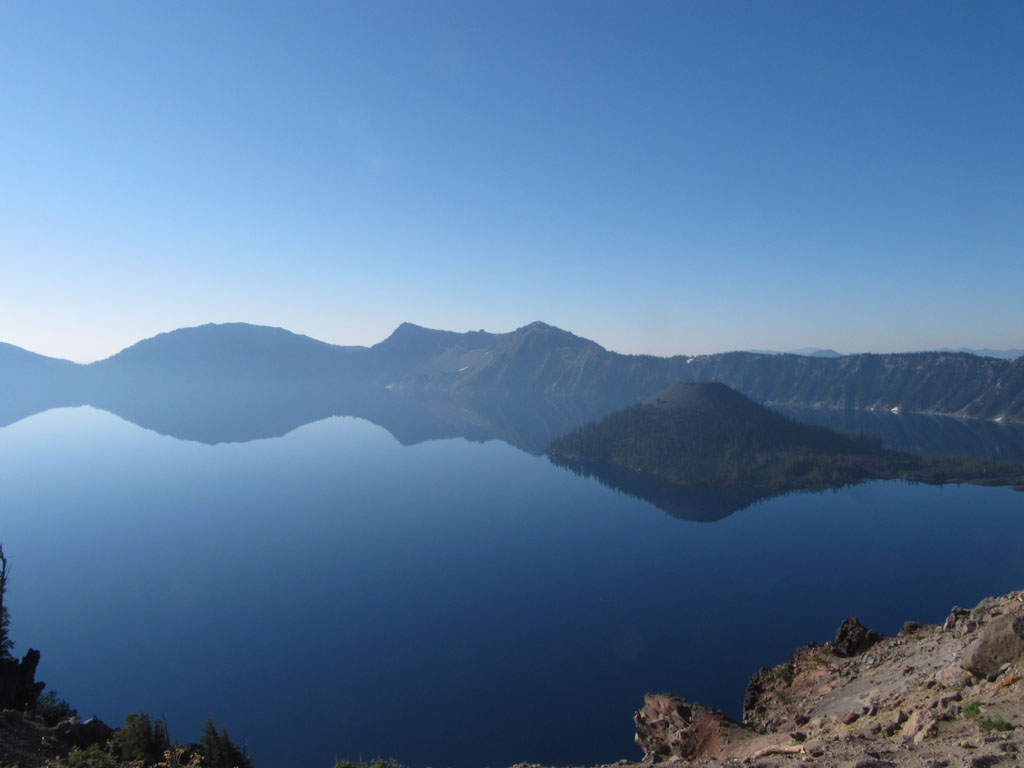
{"points": [[661, 178], [806, 350]]}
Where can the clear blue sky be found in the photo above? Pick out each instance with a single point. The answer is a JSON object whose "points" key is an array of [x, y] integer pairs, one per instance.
{"points": [[664, 177]]}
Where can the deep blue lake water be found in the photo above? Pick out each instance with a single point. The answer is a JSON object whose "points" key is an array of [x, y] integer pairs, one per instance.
{"points": [[332, 593]]}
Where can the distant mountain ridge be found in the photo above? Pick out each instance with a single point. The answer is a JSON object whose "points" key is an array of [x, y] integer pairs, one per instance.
{"points": [[539, 360], [530, 384], [1005, 354]]}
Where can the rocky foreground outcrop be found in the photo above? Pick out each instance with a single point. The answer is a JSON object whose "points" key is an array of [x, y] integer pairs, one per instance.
{"points": [[27, 742], [931, 697]]}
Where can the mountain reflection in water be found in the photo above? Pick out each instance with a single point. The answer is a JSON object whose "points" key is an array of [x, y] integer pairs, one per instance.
{"points": [[238, 410], [696, 504]]}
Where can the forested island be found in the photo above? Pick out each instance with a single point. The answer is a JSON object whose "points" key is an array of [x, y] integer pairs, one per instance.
{"points": [[707, 435]]}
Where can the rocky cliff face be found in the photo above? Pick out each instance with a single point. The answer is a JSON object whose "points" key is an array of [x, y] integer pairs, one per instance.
{"points": [[950, 695]]}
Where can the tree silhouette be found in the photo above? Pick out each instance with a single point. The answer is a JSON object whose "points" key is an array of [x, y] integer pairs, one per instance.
{"points": [[6, 644], [219, 751]]}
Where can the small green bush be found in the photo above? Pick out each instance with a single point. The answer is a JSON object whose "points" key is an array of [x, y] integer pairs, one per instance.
{"points": [[783, 673], [93, 757], [52, 708], [996, 723], [971, 709]]}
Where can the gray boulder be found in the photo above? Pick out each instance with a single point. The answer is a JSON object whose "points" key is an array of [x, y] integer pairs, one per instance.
{"points": [[1000, 641]]}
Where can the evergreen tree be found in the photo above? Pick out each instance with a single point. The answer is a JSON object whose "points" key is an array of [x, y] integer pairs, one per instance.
{"points": [[134, 741], [161, 739], [218, 751], [142, 740], [6, 644]]}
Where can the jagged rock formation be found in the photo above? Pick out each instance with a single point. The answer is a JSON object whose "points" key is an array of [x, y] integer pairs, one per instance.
{"points": [[949, 695], [27, 741], [671, 727], [853, 638], [18, 687]]}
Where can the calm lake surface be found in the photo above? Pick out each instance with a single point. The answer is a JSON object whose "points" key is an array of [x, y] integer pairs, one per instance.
{"points": [[332, 593]]}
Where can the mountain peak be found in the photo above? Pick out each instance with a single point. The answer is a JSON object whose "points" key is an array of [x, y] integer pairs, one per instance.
{"points": [[539, 326], [550, 335], [407, 327], [213, 338], [410, 335]]}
